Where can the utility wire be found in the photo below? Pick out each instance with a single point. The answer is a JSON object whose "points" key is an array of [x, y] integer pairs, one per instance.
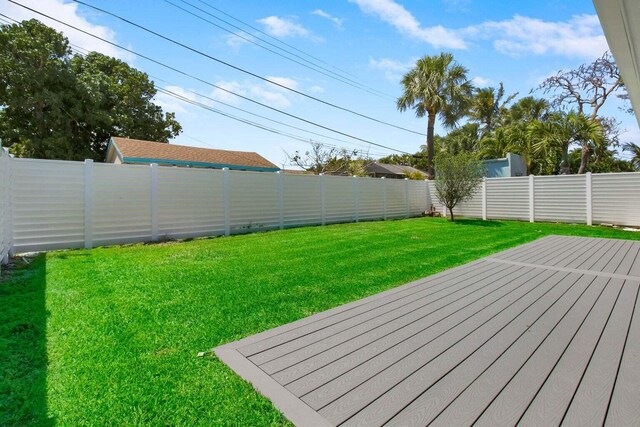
{"points": [[251, 39], [271, 37], [208, 83], [242, 70], [83, 52]]}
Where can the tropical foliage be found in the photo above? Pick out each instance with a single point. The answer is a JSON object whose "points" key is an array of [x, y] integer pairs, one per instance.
{"points": [[563, 134]]}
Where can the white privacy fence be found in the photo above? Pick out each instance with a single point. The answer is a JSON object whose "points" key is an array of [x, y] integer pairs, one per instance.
{"points": [[607, 198], [47, 204], [60, 204]]}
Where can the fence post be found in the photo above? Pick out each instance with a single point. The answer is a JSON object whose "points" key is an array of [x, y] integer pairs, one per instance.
{"points": [[356, 190], [406, 196], [384, 197], [10, 191], [88, 204], [6, 230], [154, 202], [588, 187], [322, 198], [281, 199], [484, 198], [226, 200], [532, 199]]}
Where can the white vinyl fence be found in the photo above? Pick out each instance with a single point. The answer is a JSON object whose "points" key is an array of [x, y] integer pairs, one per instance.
{"points": [[607, 198], [60, 204], [47, 204]]}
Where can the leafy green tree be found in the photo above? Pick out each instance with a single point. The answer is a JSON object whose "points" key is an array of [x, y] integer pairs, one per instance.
{"points": [[463, 139], [457, 178], [634, 150], [436, 87], [56, 105]]}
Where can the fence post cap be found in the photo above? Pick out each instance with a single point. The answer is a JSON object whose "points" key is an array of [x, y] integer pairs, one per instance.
{"points": [[88, 160], [382, 177]]}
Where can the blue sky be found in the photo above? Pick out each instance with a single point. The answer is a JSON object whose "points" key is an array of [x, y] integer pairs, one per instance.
{"points": [[371, 42]]}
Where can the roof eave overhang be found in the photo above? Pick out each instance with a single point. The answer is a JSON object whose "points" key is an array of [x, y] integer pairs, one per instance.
{"points": [[620, 20]]}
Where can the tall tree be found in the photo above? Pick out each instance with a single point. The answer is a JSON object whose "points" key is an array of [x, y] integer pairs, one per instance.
{"points": [[586, 89], [563, 130], [55, 105], [436, 87], [487, 106]]}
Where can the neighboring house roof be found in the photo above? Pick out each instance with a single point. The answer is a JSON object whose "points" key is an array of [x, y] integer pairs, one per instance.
{"points": [[388, 169], [139, 151]]}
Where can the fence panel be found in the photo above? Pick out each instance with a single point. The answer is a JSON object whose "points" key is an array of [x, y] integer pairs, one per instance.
{"points": [[371, 203], [561, 198], [418, 197], [190, 203], [48, 204], [302, 197], [340, 205], [508, 198], [616, 198], [121, 204], [471, 208], [254, 201], [396, 198]]}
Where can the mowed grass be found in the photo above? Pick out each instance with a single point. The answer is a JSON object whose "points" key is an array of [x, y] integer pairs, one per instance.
{"points": [[110, 336]]}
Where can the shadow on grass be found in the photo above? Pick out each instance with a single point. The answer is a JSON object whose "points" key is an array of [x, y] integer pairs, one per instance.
{"points": [[23, 350], [478, 222]]}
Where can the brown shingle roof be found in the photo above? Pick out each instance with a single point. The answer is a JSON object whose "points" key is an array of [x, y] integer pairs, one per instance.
{"points": [[139, 149]]}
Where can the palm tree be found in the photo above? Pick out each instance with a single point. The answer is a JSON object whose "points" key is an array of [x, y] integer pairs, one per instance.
{"points": [[436, 86], [487, 106], [561, 131], [634, 149]]}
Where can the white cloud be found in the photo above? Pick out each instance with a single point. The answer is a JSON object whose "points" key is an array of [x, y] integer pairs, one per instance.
{"points": [[283, 27], [236, 41], [68, 12], [336, 21], [479, 81], [396, 15], [171, 104], [581, 36], [316, 89], [393, 70], [264, 92], [284, 81]]}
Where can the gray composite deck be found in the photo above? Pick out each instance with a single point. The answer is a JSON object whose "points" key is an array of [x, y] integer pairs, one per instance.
{"points": [[547, 333]]}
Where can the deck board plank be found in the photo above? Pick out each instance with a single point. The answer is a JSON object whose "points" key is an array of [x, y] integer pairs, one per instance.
{"points": [[589, 405]]}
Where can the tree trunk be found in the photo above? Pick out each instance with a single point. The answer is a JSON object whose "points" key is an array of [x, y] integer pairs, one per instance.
{"points": [[451, 214], [565, 168], [430, 146], [584, 159]]}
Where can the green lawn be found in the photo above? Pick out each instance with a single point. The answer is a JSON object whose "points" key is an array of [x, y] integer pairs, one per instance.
{"points": [[110, 335]]}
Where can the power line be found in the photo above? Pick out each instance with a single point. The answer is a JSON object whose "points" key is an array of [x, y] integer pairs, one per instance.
{"points": [[208, 83], [250, 39], [242, 70], [240, 119], [255, 114], [271, 37]]}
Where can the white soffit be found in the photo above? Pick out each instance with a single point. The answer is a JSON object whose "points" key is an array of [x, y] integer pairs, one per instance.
{"points": [[620, 20]]}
